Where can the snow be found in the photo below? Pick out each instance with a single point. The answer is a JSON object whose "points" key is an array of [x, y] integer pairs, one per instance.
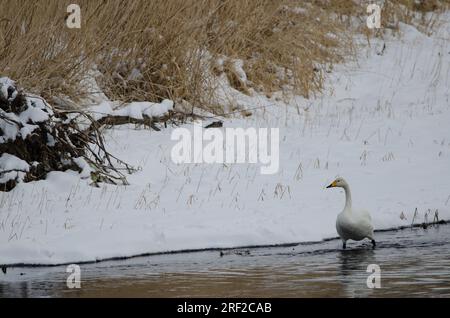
{"points": [[238, 66], [35, 113], [13, 168], [5, 84], [102, 110], [135, 110], [22, 125], [10, 162], [382, 124], [84, 166], [89, 82]]}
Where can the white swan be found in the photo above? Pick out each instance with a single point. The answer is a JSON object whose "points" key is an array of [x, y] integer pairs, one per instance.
{"points": [[352, 224]]}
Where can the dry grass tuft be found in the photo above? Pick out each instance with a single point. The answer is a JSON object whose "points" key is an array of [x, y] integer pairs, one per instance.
{"points": [[151, 50]]}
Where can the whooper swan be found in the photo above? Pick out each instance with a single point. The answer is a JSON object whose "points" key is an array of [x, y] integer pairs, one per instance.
{"points": [[352, 224]]}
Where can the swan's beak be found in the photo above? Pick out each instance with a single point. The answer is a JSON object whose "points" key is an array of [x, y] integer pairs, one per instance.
{"points": [[332, 185]]}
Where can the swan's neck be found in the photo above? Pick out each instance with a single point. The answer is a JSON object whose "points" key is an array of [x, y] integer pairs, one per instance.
{"points": [[348, 199]]}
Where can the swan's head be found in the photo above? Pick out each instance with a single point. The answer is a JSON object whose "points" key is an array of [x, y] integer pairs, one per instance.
{"points": [[338, 183]]}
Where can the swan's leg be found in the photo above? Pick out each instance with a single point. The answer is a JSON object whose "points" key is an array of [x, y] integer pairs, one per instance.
{"points": [[370, 237], [344, 244]]}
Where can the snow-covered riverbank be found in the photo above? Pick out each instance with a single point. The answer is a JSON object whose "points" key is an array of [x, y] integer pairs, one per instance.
{"points": [[383, 124]]}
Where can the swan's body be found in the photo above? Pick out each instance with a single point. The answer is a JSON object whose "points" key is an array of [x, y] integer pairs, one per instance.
{"points": [[356, 225], [352, 224]]}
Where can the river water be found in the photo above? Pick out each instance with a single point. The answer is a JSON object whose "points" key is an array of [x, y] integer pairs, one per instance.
{"points": [[413, 262]]}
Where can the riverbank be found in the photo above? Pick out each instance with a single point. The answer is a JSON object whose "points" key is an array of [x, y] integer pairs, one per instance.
{"points": [[383, 125]]}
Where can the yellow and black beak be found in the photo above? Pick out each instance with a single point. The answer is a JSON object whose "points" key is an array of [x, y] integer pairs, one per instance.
{"points": [[332, 185]]}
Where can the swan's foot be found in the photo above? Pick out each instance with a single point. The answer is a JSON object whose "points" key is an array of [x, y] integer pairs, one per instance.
{"points": [[374, 243], [344, 245]]}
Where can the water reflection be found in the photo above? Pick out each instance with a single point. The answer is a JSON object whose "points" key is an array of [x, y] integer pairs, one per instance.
{"points": [[355, 260], [352, 273]]}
